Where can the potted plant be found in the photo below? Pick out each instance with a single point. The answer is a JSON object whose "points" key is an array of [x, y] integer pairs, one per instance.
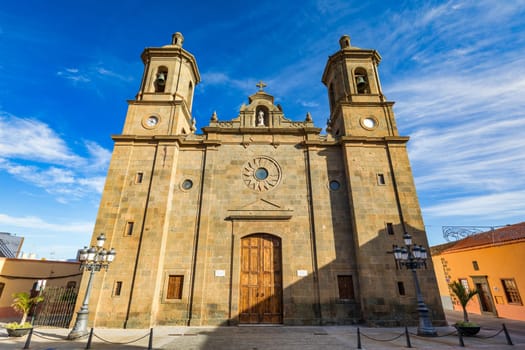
{"points": [[22, 303], [463, 295]]}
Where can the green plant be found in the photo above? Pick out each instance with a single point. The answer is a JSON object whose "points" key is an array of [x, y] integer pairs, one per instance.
{"points": [[23, 303], [463, 295]]}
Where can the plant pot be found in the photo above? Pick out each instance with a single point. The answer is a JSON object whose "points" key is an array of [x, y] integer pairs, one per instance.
{"points": [[468, 331], [17, 332]]}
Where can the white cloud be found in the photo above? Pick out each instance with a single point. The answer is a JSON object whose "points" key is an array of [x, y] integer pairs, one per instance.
{"points": [[36, 223], [31, 139], [496, 206], [45, 161], [92, 73]]}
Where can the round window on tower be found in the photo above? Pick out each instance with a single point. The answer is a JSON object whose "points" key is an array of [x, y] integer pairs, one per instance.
{"points": [[187, 185], [369, 123], [335, 185], [150, 121]]}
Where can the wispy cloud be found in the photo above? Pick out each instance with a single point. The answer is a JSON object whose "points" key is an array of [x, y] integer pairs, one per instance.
{"points": [[45, 161], [488, 206], [30, 139], [461, 102], [33, 222], [91, 74]]}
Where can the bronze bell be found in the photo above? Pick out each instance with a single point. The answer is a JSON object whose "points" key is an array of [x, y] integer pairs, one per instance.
{"points": [[361, 82], [161, 78]]}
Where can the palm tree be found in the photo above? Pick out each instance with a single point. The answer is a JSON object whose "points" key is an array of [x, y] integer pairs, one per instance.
{"points": [[23, 303], [463, 296]]}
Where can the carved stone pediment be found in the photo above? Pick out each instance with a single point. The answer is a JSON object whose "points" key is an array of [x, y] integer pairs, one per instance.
{"points": [[261, 209]]}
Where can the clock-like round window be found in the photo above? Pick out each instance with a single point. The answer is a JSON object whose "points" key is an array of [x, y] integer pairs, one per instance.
{"points": [[369, 123], [261, 174], [150, 122], [187, 184]]}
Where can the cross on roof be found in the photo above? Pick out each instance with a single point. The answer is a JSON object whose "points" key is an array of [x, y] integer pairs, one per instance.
{"points": [[260, 85]]}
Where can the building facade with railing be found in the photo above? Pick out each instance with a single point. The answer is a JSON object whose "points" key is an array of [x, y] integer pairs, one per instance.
{"points": [[491, 262]]}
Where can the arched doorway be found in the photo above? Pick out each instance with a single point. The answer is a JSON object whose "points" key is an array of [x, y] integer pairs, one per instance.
{"points": [[260, 280]]}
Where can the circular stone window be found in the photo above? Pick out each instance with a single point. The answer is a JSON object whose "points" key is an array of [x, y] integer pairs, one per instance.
{"points": [[150, 122], [335, 185], [369, 122], [261, 174], [187, 184]]}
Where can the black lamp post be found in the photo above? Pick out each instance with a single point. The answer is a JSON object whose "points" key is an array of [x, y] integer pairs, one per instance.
{"points": [[92, 259], [414, 257]]}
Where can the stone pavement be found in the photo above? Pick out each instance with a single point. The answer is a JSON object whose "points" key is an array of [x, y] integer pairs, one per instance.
{"points": [[277, 337]]}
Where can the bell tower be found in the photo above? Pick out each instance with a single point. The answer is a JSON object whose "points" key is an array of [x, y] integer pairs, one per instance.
{"points": [[165, 98], [357, 104], [382, 196]]}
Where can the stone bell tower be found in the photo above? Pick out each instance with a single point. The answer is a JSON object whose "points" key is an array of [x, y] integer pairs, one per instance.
{"points": [[381, 189], [164, 101]]}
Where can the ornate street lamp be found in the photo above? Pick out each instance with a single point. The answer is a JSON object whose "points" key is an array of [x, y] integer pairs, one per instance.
{"points": [[92, 259], [414, 257]]}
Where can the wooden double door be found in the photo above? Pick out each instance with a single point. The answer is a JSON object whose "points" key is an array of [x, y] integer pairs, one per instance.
{"points": [[260, 280]]}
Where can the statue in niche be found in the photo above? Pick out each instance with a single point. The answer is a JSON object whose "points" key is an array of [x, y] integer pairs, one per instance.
{"points": [[260, 118]]}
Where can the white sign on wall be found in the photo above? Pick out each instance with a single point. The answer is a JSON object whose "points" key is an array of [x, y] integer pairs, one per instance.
{"points": [[302, 273], [220, 273]]}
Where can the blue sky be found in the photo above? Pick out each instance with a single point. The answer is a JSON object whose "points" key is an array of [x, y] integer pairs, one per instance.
{"points": [[456, 70]]}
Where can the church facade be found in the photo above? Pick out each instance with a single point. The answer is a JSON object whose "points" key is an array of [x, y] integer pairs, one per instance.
{"points": [[259, 219]]}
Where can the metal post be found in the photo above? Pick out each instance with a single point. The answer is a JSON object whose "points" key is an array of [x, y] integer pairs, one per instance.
{"points": [[460, 335], [407, 336], [28, 340], [88, 344], [507, 335], [425, 327], [80, 328], [358, 339], [150, 342]]}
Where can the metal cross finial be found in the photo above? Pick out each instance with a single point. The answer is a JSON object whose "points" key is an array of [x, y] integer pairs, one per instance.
{"points": [[260, 85]]}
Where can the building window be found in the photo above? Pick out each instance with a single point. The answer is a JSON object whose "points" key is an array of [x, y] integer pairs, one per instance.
{"points": [[118, 288], [71, 285], [331, 96], [475, 265], [2, 286], [129, 228], [139, 177], [361, 81], [160, 79], [390, 228], [511, 291], [380, 179], [401, 288], [335, 185], [175, 283], [464, 283], [346, 287]]}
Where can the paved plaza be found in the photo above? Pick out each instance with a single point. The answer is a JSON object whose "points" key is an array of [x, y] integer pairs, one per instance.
{"points": [[278, 337]]}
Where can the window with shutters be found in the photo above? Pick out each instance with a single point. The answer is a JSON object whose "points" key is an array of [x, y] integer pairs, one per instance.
{"points": [[346, 287], [511, 291], [175, 283]]}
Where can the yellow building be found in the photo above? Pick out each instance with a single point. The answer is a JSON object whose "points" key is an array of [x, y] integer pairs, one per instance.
{"points": [[30, 275], [491, 262], [259, 219]]}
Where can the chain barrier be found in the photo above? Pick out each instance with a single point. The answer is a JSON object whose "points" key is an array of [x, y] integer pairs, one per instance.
{"points": [[437, 336], [120, 343], [383, 340], [46, 338], [407, 334]]}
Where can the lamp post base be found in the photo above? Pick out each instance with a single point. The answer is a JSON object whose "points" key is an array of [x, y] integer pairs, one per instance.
{"points": [[80, 329]]}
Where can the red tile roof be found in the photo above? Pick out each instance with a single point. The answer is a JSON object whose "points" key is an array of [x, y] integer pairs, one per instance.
{"points": [[498, 236]]}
